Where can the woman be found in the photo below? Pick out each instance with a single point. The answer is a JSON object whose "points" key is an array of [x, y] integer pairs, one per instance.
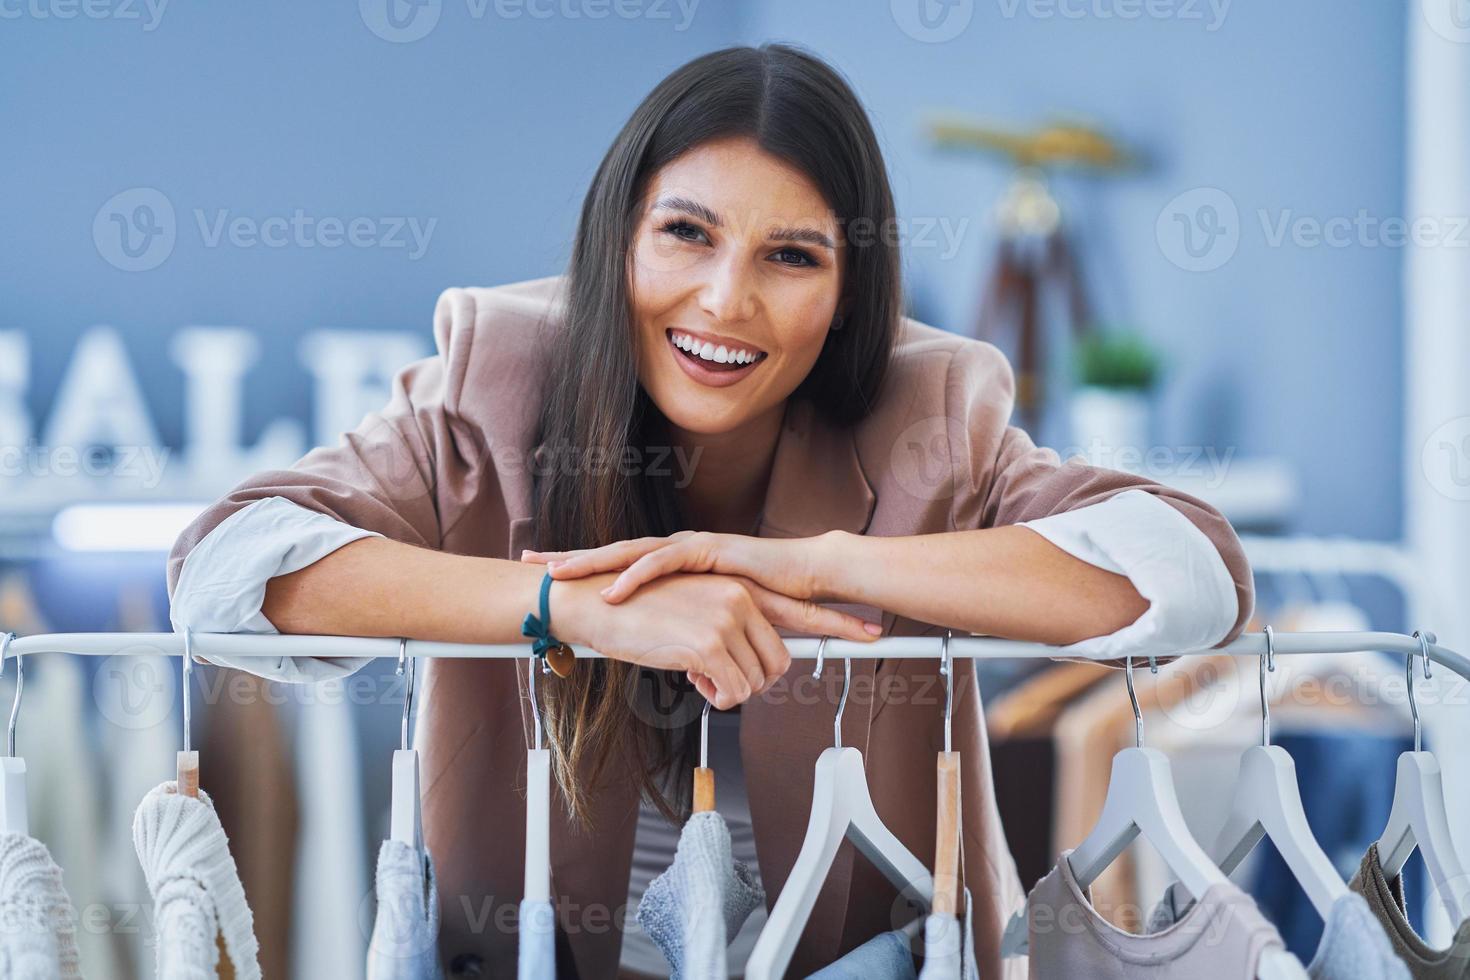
{"points": [[726, 355]]}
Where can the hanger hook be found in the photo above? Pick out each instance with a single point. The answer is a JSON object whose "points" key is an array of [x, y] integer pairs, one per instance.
{"points": [[1267, 663], [946, 668], [842, 702], [704, 737], [1425, 638], [535, 708], [1133, 699], [188, 675], [821, 651], [406, 666], [20, 680]]}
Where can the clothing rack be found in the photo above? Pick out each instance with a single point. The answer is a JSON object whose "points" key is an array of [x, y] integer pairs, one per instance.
{"points": [[268, 646]]}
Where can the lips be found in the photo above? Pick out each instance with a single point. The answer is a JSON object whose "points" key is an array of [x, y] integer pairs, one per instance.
{"points": [[712, 373]]}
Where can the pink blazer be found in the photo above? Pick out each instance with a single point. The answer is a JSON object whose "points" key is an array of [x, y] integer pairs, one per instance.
{"points": [[444, 466]]}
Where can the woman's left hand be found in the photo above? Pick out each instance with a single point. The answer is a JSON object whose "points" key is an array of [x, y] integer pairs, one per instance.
{"points": [[787, 565]]}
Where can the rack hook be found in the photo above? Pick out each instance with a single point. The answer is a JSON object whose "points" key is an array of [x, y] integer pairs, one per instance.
{"points": [[1133, 699], [946, 668], [1267, 663], [405, 670], [20, 680], [535, 709], [704, 737], [821, 651], [1425, 638]]}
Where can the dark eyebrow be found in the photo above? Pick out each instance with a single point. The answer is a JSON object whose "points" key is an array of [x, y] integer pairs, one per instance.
{"points": [[808, 235]]}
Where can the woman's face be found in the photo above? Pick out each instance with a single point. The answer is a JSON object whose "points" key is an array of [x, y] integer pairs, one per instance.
{"points": [[737, 253]]}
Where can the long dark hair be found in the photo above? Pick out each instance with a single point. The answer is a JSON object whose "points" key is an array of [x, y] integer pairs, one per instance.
{"points": [[798, 109]]}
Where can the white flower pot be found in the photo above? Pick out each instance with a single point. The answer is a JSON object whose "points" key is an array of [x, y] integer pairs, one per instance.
{"points": [[1110, 426]]}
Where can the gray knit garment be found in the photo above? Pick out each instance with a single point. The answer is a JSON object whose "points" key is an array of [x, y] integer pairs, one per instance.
{"points": [[693, 910], [37, 921], [405, 940]]}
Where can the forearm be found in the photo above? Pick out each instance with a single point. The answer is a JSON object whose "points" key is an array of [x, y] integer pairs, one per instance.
{"points": [[1004, 581], [380, 587]]}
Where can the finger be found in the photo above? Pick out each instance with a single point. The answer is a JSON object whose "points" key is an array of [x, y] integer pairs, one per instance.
{"points": [[775, 658], [656, 564], [608, 558], [748, 660], [805, 616], [731, 685], [704, 686]]}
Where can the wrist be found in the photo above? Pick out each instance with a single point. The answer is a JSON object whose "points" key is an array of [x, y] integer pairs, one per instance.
{"points": [[834, 566], [573, 605]]}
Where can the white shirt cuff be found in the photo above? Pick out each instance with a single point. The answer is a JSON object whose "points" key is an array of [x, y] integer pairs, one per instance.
{"points": [[222, 583], [1172, 564]]}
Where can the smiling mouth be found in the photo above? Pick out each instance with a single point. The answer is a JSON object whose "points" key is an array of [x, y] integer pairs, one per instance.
{"points": [[711, 356]]}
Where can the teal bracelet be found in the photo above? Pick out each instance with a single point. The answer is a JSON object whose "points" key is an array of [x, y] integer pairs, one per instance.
{"points": [[540, 629]]}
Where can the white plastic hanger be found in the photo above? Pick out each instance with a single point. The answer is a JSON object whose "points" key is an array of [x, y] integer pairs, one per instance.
{"points": [[1268, 802], [538, 801], [1141, 800], [405, 819], [1419, 818], [187, 768], [841, 808], [13, 810]]}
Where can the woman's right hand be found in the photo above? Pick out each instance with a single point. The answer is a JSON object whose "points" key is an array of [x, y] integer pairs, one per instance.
{"points": [[718, 629]]}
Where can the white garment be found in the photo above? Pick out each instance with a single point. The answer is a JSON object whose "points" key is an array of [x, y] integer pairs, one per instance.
{"points": [[195, 886], [536, 954], [66, 807], [38, 929], [1172, 564], [331, 837], [405, 941]]}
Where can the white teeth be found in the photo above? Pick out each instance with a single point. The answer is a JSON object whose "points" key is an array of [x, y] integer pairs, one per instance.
{"points": [[710, 352]]}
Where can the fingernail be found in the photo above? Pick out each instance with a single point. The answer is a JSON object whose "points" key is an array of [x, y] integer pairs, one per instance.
{"points": [[552, 564], [873, 629], [604, 592]]}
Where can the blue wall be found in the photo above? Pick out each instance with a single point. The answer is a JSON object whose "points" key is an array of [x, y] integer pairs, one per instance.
{"points": [[1288, 107], [494, 125]]}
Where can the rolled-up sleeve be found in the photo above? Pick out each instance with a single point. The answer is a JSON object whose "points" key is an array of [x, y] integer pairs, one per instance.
{"points": [[378, 480], [1180, 553], [221, 585]]}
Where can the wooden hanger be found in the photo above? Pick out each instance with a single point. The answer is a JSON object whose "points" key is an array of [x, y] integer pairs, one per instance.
{"points": [[842, 808], [14, 818], [1268, 803], [405, 819], [947, 823], [1419, 817], [704, 776]]}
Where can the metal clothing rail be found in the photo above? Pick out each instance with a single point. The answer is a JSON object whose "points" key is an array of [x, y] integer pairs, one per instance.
{"points": [[276, 646]]}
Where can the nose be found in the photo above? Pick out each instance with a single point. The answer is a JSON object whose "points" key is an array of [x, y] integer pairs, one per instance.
{"points": [[728, 295]]}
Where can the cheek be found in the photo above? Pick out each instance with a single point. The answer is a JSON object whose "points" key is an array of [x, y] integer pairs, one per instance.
{"points": [[806, 316]]}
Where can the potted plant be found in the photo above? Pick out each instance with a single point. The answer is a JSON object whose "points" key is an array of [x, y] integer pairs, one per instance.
{"points": [[1112, 406]]}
